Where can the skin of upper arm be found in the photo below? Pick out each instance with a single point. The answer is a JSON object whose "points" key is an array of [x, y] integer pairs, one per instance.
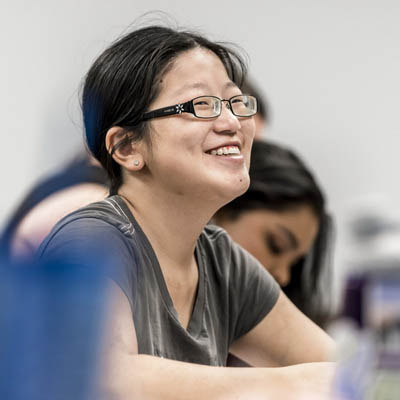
{"points": [[37, 224], [120, 329], [119, 343], [284, 337]]}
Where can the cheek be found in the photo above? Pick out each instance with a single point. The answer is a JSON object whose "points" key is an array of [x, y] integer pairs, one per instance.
{"points": [[175, 142], [248, 132], [249, 128]]}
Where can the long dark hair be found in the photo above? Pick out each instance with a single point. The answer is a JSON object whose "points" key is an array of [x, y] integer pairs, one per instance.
{"points": [[126, 78], [280, 181]]}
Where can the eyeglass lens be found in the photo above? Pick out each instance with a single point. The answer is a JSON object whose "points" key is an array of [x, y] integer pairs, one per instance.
{"points": [[210, 106]]}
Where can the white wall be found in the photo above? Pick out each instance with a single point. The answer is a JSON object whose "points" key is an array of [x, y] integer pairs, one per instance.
{"points": [[330, 69]]}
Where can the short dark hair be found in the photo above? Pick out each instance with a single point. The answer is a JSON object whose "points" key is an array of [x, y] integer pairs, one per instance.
{"points": [[126, 78]]}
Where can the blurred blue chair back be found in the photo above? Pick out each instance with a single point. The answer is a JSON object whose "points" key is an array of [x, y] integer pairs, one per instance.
{"points": [[51, 324]]}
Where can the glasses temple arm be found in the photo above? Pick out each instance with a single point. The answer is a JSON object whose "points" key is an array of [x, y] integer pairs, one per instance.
{"points": [[170, 110]]}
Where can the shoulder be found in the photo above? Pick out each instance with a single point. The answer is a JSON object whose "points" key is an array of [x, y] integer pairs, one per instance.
{"points": [[101, 226], [98, 236], [227, 258], [216, 247], [215, 241], [214, 235]]}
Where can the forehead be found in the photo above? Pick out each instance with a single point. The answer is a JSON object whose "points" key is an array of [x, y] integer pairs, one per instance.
{"points": [[194, 70]]}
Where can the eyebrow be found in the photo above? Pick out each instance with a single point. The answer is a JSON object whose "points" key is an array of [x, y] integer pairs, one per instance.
{"points": [[294, 243], [201, 85]]}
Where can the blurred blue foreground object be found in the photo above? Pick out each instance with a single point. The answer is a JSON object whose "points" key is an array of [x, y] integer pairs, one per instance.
{"points": [[51, 323]]}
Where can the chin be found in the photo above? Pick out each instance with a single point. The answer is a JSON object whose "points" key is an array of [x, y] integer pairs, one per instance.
{"points": [[242, 188], [235, 189]]}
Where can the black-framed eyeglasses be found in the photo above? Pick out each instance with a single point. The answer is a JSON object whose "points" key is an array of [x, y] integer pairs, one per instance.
{"points": [[242, 105]]}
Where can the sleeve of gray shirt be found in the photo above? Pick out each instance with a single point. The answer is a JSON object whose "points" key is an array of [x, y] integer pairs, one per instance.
{"points": [[94, 243], [253, 291]]}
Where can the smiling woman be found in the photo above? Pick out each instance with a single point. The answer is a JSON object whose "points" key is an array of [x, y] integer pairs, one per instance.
{"points": [[183, 293]]}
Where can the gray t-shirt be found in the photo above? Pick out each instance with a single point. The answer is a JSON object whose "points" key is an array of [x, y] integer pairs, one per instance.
{"points": [[234, 291]]}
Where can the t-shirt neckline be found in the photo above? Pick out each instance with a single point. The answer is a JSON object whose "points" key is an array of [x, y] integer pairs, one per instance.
{"points": [[195, 322]]}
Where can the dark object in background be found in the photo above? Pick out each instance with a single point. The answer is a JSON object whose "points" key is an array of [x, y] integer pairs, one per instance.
{"points": [[372, 296]]}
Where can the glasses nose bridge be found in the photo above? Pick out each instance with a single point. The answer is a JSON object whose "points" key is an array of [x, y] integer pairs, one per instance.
{"points": [[228, 105]]}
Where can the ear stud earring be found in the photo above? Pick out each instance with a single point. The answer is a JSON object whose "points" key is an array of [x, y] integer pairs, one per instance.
{"points": [[136, 163]]}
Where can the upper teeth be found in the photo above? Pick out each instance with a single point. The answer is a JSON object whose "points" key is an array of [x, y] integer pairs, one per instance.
{"points": [[225, 150]]}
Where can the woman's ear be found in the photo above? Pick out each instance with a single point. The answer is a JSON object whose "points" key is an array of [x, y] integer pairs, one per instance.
{"points": [[124, 151]]}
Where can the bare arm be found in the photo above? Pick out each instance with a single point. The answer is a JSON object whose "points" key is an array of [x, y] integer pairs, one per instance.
{"points": [[128, 375], [38, 223], [284, 337]]}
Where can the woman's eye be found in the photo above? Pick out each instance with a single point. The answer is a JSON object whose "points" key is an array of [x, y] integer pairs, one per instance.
{"points": [[273, 245], [202, 102]]}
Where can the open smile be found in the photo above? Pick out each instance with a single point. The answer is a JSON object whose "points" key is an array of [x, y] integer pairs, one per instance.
{"points": [[225, 151]]}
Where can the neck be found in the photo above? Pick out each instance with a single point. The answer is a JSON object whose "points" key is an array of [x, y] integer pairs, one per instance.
{"points": [[171, 222]]}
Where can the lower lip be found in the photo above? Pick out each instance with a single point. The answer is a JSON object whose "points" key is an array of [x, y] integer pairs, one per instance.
{"points": [[233, 158]]}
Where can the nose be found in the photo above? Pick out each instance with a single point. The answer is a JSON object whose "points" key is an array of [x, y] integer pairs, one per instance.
{"points": [[227, 122], [282, 275]]}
